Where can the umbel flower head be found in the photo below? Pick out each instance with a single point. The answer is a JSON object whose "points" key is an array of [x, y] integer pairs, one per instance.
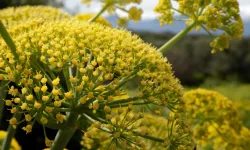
{"points": [[173, 132], [216, 121], [19, 15], [86, 17], [70, 65], [211, 15]]}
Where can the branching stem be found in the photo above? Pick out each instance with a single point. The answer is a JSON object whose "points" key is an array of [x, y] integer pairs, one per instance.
{"points": [[99, 14], [176, 38]]}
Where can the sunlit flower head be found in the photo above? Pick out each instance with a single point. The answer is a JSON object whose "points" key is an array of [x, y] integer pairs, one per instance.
{"points": [[73, 65]]}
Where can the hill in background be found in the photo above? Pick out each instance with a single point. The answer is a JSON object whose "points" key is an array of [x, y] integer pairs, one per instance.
{"points": [[154, 26]]}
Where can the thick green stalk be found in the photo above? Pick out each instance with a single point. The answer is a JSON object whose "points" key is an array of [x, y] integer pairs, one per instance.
{"points": [[10, 134], [7, 38], [7, 141], [176, 38], [99, 14], [64, 135], [3, 94]]}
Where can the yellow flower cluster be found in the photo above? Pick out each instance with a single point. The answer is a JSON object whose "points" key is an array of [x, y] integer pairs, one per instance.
{"points": [[174, 129], [18, 15], [134, 13], [170, 133], [117, 132], [210, 15], [14, 143], [86, 17], [216, 121], [164, 8], [66, 65]]}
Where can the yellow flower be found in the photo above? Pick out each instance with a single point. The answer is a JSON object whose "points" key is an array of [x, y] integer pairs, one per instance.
{"points": [[28, 129], [164, 9], [60, 118], [14, 143], [56, 81], [135, 14]]}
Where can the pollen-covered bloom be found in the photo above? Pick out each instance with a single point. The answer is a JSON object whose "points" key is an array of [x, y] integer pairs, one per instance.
{"points": [[19, 15], [216, 121], [68, 65], [86, 17]]}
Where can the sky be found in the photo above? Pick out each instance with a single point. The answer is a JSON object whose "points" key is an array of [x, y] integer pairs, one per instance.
{"points": [[75, 6]]}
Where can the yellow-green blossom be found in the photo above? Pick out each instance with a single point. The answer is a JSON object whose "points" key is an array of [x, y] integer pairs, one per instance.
{"points": [[216, 121]]}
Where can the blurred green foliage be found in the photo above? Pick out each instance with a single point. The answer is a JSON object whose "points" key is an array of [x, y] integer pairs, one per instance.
{"points": [[193, 62], [233, 90], [243, 107]]}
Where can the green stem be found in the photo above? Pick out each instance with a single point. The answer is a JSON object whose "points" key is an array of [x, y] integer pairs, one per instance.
{"points": [[176, 38], [3, 94], [10, 134], [64, 135], [122, 9], [7, 38], [99, 14], [150, 137]]}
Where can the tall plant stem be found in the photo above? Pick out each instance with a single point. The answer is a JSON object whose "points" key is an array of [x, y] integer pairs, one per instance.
{"points": [[64, 135], [3, 93], [99, 14], [176, 38], [10, 134], [7, 38]]}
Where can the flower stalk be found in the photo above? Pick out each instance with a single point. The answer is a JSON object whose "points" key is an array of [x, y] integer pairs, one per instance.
{"points": [[64, 135], [10, 134], [7, 38], [3, 93], [176, 38], [99, 14]]}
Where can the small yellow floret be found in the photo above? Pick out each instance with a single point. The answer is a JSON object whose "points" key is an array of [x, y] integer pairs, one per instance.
{"points": [[68, 95], [29, 97], [56, 81]]}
